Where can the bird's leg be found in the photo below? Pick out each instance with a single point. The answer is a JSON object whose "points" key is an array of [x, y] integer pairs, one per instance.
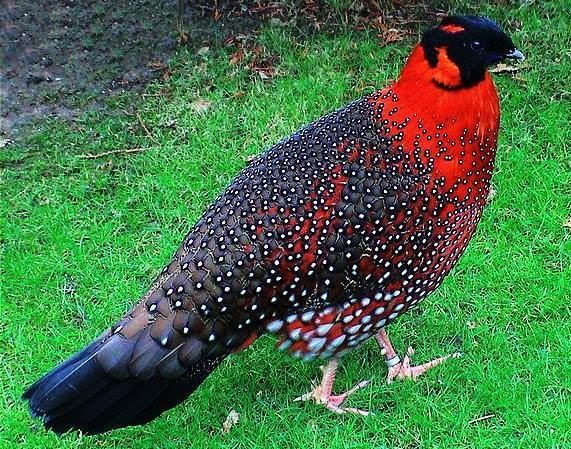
{"points": [[403, 369], [321, 394]]}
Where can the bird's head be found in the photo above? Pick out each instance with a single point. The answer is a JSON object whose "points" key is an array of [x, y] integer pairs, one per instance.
{"points": [[461, 48]]}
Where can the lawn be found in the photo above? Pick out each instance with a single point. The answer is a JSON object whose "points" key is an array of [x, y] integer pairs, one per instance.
{"points": [[81, 238]]}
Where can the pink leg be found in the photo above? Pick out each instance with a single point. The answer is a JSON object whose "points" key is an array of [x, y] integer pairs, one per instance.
{"points": [[403, 369], [321, 394]]}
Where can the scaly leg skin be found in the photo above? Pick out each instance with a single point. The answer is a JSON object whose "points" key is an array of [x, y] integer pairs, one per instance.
{"points": [[403, 369], [321, 394]]}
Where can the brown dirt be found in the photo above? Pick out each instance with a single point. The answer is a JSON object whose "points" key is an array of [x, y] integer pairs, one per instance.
{"points": [[63, 57]]}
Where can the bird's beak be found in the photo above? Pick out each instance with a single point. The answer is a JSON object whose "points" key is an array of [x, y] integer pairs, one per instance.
{"points": [[515, 54]]}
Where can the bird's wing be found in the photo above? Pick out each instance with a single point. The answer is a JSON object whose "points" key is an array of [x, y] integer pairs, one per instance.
{"points": [[308, 225]]}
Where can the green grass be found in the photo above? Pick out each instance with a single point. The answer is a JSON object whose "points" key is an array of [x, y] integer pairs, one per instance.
{"points": [[81, 239]]}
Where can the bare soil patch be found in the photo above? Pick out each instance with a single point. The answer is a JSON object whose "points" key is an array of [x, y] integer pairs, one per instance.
{"points": [[63, 57]]}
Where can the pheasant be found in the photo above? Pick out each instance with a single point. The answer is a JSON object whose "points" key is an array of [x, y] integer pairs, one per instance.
{"points": [[323, 240]]}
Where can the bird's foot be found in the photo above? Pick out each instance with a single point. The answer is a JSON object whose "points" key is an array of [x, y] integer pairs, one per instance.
{"points": [[321, 394], [334, 402], [404, 370]]}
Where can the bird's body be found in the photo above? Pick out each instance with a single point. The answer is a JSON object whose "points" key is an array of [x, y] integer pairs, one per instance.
{"points": [[323, 240]]}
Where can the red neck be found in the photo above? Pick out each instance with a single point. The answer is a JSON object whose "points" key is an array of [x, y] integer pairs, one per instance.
{"points": [[416, 86], [456, 127]]}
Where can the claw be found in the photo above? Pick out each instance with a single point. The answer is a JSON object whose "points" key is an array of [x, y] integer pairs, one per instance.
{"points": [[403, 369], [321, 394]]}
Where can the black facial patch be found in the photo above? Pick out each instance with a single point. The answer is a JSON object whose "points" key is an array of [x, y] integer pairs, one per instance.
{"points": [[475, 45]]}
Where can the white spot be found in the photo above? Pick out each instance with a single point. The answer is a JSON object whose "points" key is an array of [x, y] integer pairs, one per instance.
{"points": [[354, 329], [337, 342], [379, 310], [326, 311], [274, 326], [323, 329], [347, 319], [307, 316], [316, 344], [308, 357], [295, 334]]}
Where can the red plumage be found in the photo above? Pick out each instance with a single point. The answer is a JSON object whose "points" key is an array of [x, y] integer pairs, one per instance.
{"points": [[323, 240]]}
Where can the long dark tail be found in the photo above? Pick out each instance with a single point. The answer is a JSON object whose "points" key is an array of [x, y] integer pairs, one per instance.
{"points": [[83, 393]]}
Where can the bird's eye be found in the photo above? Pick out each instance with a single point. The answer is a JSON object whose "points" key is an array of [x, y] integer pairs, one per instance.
{"points": [[476, 46]]}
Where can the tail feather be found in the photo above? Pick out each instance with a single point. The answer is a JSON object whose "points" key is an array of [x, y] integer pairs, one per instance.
{"points": [[88, 415], [152, 360], [141, 408], [81, 394], [57, 387]]}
